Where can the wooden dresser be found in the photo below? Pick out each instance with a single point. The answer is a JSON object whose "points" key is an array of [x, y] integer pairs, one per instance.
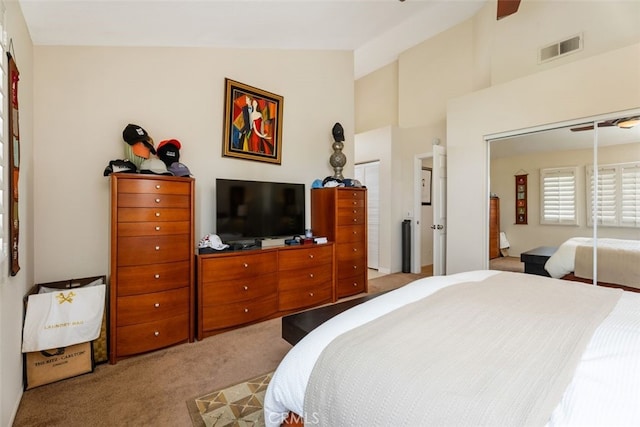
{"points": [[152, 270], [243, 287], [340, 214], [494, 227]]}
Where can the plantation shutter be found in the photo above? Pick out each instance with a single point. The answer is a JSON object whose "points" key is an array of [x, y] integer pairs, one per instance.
{"points": [[606, 212], [558, 196], [630, 210]]}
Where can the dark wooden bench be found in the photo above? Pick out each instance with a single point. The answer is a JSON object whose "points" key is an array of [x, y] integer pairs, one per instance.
{"points": [[535, 259], [297, 326]]}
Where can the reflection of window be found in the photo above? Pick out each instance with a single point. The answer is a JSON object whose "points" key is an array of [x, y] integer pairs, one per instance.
{"points": [[618, 195], [558, 196]]}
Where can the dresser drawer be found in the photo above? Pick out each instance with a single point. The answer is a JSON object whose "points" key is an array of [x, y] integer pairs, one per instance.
{"points": [[132, 200], [238, 267], [152, 249], [311, 276], [297, 258], [142, 279], [351, 197], [346, 286], [304, 297], [153, 228], [153, 186], [351, 216], [234, 314], [152, 306], [153, 214], [235, 290], [350, 251], [350, 267], [351, 233], [143, 337]]}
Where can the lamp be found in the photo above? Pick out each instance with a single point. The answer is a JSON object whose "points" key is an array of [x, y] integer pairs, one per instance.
{"points": [[628, 123], [504, 244]]}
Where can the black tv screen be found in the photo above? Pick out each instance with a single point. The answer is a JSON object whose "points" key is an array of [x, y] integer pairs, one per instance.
{"points": [[258, 209]]}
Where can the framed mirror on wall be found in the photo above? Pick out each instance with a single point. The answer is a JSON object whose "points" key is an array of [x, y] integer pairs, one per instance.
{"points": [[564, 203]]}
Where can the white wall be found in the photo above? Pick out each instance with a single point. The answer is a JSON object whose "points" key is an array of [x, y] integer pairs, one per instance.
{"points": [[87, 95], [13, 289], [561, 94]]}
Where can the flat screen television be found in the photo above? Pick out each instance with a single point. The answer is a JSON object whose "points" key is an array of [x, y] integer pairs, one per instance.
{"points": [[249, 210]]}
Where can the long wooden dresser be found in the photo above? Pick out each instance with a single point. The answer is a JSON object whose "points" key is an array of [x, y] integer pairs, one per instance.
{"points": [[340, 214], [237, 288], [152, 263]]}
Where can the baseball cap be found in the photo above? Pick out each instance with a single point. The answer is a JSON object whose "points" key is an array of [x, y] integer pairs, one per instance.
{"points": [[141, 149], [212, 241], [117, 166], [179, 169], [154, 166], [134, 133], [168, 151]]}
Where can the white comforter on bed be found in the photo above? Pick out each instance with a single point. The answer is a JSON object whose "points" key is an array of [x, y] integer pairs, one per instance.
{"points": [[605, 389]]}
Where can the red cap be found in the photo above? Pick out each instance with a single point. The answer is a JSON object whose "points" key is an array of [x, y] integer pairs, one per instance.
{"points": [[169, 141]]}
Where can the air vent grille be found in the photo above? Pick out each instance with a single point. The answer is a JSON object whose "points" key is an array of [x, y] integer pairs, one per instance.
{"points": [[561, 48]]}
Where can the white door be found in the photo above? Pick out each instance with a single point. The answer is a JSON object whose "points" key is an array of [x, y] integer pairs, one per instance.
{"points": [[439, 204], [369, 175]]}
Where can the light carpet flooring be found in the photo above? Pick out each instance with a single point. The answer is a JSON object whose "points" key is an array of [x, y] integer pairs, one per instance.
{"points": [[151, 389]]}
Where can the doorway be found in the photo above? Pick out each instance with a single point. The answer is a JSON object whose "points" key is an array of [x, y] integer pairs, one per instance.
{"points": [[369, 175]]}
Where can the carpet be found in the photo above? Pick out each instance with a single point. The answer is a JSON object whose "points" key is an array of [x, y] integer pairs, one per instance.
{"points": [[239, 405]]}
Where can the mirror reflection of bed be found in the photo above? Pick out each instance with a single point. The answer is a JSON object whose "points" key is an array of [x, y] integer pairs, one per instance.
{"points": [[570, 149]]}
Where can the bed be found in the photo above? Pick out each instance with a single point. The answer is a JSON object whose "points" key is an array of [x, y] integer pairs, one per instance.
{"points": [[598, 382], [618, 262]]}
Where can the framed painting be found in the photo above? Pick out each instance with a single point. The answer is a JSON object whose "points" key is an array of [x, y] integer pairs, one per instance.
{"points": [[252, 123], [426, 186]]}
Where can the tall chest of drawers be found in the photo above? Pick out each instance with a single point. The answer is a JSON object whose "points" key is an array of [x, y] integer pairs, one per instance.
{"points": [[152, 263], [340, 214]]}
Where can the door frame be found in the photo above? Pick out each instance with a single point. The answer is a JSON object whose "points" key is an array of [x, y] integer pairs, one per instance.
{"points": [[416, 220]]}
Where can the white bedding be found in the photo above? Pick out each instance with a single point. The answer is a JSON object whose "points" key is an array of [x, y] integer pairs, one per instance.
{"points": [[605, 389], [563, 261]]}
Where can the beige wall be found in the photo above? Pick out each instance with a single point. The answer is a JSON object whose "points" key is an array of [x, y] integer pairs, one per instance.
{"points": [[550, 97], [13, 289], [87, 95], [376, 95], [466, 59], [532, 235]]}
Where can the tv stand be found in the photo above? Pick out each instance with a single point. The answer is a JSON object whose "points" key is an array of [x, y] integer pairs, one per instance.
{"points": [[238, 288]]}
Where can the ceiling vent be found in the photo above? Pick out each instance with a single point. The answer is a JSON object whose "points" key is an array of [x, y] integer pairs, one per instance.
{"points": [[561, 48]]}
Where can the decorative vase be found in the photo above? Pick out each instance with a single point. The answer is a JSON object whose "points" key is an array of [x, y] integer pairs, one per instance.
{"points": [[338, 159]]}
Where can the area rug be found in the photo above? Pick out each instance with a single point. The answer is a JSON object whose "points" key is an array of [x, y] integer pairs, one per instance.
{"points": [[239, 405]]}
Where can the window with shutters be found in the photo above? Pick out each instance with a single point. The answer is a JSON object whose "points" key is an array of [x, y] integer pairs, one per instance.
{"points": [[618, 192], [558, 196]]}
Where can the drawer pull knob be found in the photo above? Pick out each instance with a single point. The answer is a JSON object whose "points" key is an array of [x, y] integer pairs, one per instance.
{"points": [[311, 256], [310, 294], [156, 333], [311, 275], [355, 285], [355, 267], [245, 265], [157, 228], [157, 276], [355, 249], [246, 310], [158, 186], [355, 220], [157, 200], [355, 211], [157, 213], [156, 305], [245, 287], [157, 248]]}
